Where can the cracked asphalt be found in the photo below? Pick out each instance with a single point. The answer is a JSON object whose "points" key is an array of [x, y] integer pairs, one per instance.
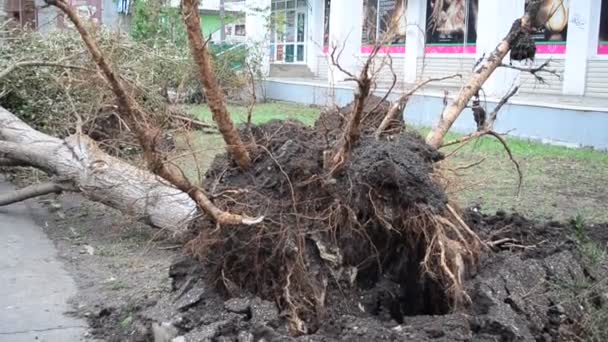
{"points": [[34, 286]]}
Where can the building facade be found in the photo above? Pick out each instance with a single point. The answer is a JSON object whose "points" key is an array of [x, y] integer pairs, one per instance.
{"points": [[437, 37]]}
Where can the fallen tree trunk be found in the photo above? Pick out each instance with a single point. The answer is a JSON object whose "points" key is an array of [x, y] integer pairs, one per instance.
{"points": [[450, 114], [99, 176]]}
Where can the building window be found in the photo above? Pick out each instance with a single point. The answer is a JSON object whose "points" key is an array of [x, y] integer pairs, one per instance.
{"points": [[239, 30], [451, 26], [603, 46], [379, 16], [288, 31], [552, 23], [326, 24]]}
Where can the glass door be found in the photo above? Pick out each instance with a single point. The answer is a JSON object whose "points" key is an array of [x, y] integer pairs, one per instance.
{"points": [[288, 36]]}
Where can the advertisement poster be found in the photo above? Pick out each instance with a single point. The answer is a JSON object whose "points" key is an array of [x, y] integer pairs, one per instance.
{"points": [[552, 26], [379, 17], [603, 46], [451, 26]]}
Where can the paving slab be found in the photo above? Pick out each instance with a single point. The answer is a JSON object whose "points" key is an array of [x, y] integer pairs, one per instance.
{"points": [[34, 286]]}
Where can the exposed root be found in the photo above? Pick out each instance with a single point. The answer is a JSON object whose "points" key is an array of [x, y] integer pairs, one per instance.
{"points": [[382, 219]]}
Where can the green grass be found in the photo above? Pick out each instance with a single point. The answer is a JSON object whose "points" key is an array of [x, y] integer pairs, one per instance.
{"points": [[559, 182], [524, 148], [263, 112]]}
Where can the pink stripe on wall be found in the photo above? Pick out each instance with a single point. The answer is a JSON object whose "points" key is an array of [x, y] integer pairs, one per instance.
{"points": [[384, 49], [450, 49], [551, 49], [602, 49]]}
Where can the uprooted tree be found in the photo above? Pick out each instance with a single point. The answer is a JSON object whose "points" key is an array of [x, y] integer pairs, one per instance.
{"points": [[292, 212]]}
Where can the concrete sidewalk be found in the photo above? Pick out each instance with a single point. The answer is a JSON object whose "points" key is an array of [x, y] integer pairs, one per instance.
{"points": [[34, 287]]}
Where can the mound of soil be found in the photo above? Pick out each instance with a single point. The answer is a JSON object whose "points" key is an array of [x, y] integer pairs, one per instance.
{"points": [[520, 293], [374, 253]]}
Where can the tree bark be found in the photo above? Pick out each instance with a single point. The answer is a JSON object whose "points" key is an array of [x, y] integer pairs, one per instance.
{"points": [[451, 112], [211, 87], [99, 176]]}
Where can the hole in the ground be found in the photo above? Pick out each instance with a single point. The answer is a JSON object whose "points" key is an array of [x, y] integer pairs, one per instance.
{"points": [[400, 285]]}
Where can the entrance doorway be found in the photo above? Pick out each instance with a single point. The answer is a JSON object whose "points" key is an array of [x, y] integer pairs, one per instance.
{"points": [[288, 35]]}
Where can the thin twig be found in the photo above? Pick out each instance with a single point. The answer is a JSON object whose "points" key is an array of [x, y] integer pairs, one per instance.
{"points": [[535, 70]]}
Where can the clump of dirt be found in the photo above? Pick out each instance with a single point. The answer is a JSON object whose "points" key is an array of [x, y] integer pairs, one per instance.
{"points": [[381, 226], [332, 121]]}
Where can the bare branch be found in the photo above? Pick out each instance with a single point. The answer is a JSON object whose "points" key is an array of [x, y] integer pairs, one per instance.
{"points": [[506, 146], [535, 71], [399, 105], [493, 115], [34, 191]]}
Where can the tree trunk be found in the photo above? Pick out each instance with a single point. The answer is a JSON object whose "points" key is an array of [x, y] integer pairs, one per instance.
{"points": [[451, 112], [211, 86], [99, 176]]}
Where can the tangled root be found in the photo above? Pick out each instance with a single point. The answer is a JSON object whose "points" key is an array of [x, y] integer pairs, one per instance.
{"points": [[383, 220]]}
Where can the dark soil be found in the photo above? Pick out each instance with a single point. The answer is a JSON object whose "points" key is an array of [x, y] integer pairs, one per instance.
{"points": [[342, 258], [516, 296]]}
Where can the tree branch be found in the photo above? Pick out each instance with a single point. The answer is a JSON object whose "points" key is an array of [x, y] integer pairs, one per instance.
{"points": [[535, 70], [34, 191], [23, 64], [519, 29], [8, 162], [399, 105]]}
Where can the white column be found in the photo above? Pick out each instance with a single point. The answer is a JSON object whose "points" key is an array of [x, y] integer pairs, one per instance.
{"points": [[256, 26], [580, 36], [314, 44], [415, 38], [345, 30], [494, 21]]}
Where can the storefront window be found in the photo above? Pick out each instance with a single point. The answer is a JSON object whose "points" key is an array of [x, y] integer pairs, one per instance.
{"points": [[326, 25], [379, 16], [603, 46], [288, 27], [552, 23], [451, 26]]}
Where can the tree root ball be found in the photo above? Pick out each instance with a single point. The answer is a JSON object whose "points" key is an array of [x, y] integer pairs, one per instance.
{"points": [[381, 230]]}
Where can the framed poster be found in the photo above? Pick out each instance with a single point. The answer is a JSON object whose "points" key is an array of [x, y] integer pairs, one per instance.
{"points": [[602, 49], [552, 26], [451, 26], [379, 16]]}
